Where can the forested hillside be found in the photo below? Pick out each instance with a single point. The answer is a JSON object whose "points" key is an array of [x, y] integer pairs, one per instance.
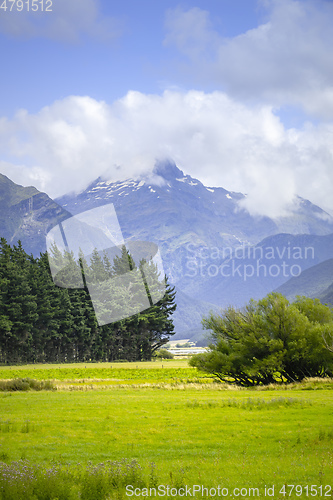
{"points": [[41, 322]]}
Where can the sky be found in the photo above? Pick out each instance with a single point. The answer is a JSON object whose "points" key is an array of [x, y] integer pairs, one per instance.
{"points": [[239, 93]]}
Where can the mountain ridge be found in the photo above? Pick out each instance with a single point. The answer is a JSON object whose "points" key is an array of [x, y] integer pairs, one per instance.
{"points": [[313, 282], [209, 216], [27, 214]]}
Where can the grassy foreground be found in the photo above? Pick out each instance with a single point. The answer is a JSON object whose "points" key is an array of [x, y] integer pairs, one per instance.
{"points": [[88, 443], [90, 375]]}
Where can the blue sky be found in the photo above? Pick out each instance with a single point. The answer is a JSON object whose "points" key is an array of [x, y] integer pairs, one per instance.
{"points": [[238, 92], [130, 55]]}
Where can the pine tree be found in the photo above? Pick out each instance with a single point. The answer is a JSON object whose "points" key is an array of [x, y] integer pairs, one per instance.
{"points": [[41, 321], [19, 306], [54, 325]]}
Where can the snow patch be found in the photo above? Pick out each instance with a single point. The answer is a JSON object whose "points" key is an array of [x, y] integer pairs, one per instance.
{"points": [[228, 196], [211, 190]]}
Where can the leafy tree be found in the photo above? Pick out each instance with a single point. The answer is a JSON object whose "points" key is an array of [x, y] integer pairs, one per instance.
{"points": [[267, 341], [328, 339], [163, 354]]}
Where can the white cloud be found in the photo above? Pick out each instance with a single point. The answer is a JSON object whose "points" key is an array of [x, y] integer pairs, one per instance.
{"points": [[69, 21], [191, 31], [210, 136], [287, 60]]}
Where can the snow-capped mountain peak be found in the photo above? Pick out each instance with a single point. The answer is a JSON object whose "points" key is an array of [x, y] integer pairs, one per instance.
{"points": [[168, 205]]}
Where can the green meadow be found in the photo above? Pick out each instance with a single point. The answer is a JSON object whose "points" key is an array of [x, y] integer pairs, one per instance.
{"points": [[143, 425], [83, 374]]}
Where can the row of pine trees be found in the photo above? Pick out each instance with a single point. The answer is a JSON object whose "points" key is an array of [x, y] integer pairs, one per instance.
{"points": [[42, 322]]}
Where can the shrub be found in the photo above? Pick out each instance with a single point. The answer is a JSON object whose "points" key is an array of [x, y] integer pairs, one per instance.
{"points": [[268, 341], [26, 384], [164, 354]]}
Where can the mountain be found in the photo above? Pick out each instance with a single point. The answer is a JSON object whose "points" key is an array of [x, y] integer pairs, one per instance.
{"points": [[326, 297], [278, 262], [188, 316], [315, 282], [215, 253], [206, 240], [26, 214], [174, 209], [181, 215]]}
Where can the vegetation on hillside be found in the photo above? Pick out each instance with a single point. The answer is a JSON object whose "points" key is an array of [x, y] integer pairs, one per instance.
{"points": [[269, 341]]}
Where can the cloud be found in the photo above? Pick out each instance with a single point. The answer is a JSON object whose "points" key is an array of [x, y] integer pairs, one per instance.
{"points": [[69, 21], [191, 31], [211, 136], [286, 60]]}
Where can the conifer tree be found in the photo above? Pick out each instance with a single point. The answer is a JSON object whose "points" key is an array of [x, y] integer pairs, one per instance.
{"points": [[41, 321]]}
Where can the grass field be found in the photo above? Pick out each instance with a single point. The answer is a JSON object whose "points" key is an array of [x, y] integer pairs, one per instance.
{"points": [[179, 429]]}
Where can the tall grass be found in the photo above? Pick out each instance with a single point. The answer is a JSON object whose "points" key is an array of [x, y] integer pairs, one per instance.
{"points": [[22, 480], [26, 384], [251, 403]]}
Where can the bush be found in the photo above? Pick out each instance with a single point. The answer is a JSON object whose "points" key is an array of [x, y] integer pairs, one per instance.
{"points": [[26, 384], [164, 354], [269, 341]]}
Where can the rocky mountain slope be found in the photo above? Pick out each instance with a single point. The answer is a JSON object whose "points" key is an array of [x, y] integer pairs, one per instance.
{"points": [[26, 214]]}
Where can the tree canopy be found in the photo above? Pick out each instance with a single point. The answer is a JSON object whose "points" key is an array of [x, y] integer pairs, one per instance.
{"points": [[42, 322], [270, 340]]}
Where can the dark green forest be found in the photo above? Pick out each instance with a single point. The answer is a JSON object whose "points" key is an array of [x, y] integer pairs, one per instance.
{"points": [[42, 322]]}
